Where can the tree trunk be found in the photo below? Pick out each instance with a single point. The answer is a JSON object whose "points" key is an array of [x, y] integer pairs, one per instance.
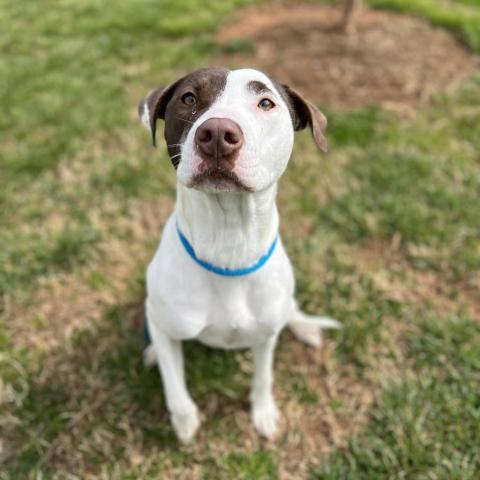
{"points": [[350, 14]]}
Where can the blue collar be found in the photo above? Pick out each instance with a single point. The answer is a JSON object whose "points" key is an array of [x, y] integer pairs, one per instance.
{"points": [[227, 272]]}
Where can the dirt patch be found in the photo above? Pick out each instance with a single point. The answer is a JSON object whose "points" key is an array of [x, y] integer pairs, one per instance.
{"points": [[390, 59]]}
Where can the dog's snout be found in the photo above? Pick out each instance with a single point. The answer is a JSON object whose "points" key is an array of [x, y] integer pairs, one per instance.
{"points": [[219, 139]]}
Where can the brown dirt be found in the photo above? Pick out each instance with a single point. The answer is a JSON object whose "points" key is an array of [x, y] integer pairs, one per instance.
{"points": [[390, 59]]}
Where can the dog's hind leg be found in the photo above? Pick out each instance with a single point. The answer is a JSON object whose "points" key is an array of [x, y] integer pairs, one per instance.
{"points": [[308, 328], [149, 356]]}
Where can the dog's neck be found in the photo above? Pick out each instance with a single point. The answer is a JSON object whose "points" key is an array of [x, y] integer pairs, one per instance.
{"points": [[230, 230]]}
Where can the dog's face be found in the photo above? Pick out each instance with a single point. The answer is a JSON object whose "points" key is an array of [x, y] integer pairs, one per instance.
{"points": [[230, 131]]}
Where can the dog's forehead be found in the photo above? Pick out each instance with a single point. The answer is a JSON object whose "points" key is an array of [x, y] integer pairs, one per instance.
{"points": [[211, 78], [249, 79], [216, 80]]}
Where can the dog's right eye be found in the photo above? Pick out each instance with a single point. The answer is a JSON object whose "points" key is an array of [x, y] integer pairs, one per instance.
{"points": [[189, 99]]}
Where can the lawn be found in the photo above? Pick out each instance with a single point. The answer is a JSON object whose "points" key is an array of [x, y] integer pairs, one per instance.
{"points": [[383, 232]]}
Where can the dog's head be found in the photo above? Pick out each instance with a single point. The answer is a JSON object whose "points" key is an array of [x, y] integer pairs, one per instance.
{"points": [[230, 131]]}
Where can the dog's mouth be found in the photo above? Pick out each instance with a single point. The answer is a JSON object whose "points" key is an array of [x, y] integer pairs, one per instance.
{"points": [[221, 179]]}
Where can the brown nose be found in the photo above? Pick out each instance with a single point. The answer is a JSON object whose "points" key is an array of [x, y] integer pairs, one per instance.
{"points": [[219, 139]]}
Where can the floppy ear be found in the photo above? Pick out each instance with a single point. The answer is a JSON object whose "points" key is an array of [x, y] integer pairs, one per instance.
{"points": [[153, 106], [306, 113]]}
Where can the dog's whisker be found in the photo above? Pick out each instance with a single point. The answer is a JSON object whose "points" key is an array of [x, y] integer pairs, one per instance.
{"points": [[184, 120], [175, 161]]}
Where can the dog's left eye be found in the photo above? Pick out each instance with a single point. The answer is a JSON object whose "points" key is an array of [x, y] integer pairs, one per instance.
{"points": [[265, 104], [189, 99]]}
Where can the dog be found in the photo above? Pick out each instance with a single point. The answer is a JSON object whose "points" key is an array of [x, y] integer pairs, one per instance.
{"points": [[221, 274]]}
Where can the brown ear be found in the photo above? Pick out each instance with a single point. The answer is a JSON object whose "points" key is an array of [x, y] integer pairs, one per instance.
{"points": [[153, 106], [306, 113]]}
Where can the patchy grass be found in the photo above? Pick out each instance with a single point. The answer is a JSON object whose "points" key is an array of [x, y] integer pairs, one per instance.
{"points": [[461, 16], [383, 233], [70, 74], [427, 424]]}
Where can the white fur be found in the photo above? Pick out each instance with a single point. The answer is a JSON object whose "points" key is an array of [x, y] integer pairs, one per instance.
{"points": [[231, 230], [145, 118]]}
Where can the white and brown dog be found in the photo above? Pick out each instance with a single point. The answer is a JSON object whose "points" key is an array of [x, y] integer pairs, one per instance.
{"points": [[220, 274]]}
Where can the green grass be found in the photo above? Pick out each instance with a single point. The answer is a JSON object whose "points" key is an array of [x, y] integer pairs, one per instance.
{"points": [[83, 194], [73, 72], [427, 425], [461, 16], [260, 465]]}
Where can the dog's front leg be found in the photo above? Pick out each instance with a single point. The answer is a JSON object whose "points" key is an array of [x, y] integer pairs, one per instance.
{"points": [[264, 411], [183, 411]]}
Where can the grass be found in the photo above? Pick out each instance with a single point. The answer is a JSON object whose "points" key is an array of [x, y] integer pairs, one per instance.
{"points": [[461, 16], [425, 425], [260, 465], [383, 234]]}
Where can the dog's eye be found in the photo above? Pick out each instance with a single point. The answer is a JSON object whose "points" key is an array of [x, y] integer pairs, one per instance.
{"points": [[189, 99], [265, 104]]}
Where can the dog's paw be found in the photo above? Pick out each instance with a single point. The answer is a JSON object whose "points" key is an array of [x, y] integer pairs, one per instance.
{"points": [[265, 419], [185, 425], [149, 356], [307, 333]]}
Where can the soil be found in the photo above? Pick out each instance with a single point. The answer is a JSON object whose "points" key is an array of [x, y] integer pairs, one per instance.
{"points": [[387, 58]]}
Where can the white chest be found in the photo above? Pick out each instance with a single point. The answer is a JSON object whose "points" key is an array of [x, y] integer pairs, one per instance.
{"points": [[234, 320], [189, 302]]}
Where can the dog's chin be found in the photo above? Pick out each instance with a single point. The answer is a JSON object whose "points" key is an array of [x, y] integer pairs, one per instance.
{"points": [[218, 181]]}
